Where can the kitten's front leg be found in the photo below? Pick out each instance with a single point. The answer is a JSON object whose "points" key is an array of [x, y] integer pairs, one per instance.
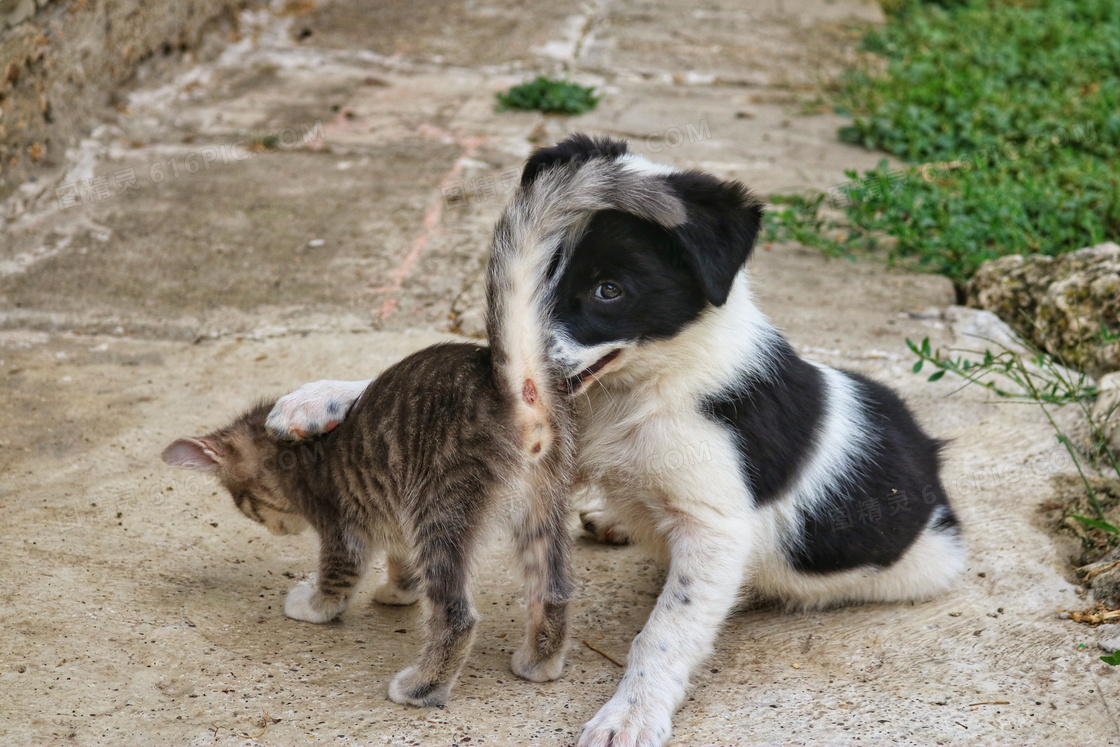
{"points": [[313, 408], [325, 597]]}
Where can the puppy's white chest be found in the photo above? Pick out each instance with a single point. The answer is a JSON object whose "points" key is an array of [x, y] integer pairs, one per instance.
{"points": [[633, 439]]}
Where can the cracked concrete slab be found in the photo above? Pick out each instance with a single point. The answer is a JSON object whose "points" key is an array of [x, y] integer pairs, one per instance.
{"points": [[140, 607]]}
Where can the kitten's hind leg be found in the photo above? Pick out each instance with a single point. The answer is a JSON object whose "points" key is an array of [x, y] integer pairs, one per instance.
{"points": [[327, 596], [443, 558], [402, 587], [543, 548], [313, 408]]}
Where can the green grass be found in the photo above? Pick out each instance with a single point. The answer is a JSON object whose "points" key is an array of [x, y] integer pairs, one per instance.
{"points": [[549, 96], [1008, 114]]}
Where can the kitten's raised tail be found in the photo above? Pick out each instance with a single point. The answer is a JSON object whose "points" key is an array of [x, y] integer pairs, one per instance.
{"points": [[518, 292]]}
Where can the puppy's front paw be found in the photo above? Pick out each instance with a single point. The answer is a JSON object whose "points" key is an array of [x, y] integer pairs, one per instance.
{"points": [[528, 665], [604, 529], [305, 603], [619, 724], [409, 687], [390, 593], [312, 409]]}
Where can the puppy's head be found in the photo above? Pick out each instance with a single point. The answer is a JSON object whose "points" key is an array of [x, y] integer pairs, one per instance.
{"points": [[641, 261]]}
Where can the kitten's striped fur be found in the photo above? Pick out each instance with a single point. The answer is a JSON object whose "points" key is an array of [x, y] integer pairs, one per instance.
{"points": [[430, 456]]}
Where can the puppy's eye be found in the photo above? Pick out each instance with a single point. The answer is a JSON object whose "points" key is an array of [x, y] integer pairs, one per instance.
{"points": [[608, 291]]}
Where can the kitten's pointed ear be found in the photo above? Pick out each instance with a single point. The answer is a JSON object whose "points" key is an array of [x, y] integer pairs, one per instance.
{"points": [[718, 236], [192, 453]]}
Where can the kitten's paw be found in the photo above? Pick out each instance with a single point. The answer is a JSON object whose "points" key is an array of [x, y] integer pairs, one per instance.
{"points": [[390, 593], [410, 688], [312, 409], [528, 665], [604, 529], [619, 724], [305, 603]]}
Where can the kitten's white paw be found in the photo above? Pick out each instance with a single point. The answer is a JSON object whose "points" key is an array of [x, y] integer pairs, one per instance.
{"points": [[526, 665], [409, 688], [388, 593], [619, 724], [298, 605], [603, 528], [313, 408]]}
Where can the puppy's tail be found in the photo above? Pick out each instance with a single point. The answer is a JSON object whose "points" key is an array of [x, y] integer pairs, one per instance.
{"points": [[519, 294]]}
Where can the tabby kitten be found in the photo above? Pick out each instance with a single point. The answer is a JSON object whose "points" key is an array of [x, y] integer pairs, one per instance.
{"points": [[429, 458]]}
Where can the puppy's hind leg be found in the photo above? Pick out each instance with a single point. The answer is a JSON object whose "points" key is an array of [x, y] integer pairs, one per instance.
{"points": [[602, 524], [604, 528]]}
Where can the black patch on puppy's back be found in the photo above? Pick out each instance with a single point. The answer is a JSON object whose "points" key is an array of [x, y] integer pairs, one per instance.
{"points": [[776, 418], [872, 518]]}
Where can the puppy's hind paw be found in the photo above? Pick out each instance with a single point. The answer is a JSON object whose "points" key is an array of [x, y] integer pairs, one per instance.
{"points": [[600, 526]]}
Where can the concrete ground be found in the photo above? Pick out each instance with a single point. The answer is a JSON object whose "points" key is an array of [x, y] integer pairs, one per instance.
{"points": [[315, 203]]}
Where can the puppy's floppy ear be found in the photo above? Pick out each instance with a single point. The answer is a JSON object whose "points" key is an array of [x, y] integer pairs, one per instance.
{"points": [[719, 234], [193, 453], [577, 147]]}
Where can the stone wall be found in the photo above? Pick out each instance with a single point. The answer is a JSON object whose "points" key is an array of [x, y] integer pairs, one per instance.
{"points": [[61, 60]]}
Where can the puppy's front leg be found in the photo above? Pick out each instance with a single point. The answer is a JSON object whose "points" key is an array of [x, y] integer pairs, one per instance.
{"points": [[705, 573], [313, 408]]}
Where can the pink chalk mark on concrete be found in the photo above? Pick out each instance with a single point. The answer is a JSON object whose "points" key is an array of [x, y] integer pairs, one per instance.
{"points": [[432, 218]]}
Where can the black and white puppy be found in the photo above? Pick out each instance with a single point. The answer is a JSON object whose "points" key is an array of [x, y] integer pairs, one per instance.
{"points": [[739, 463]]}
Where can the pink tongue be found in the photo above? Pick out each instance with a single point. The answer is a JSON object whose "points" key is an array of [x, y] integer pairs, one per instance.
{"points": [[595, 367]]}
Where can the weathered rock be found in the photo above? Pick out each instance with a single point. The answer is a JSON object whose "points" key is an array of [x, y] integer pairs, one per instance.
{"points": [[1058, 303], [979, 329], [14, 12], [1106, 410], [1103, 577], [61, 63]]}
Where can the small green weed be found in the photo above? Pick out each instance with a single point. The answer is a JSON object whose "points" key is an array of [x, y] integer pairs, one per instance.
{"points": [[549, 96], [1040, 379]]}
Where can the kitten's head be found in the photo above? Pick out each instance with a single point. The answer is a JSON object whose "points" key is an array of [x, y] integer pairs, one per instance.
{"points": [[246, 460]]}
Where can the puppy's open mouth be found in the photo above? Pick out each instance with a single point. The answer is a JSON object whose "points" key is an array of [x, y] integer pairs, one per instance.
{"points": [[575, 382]]}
